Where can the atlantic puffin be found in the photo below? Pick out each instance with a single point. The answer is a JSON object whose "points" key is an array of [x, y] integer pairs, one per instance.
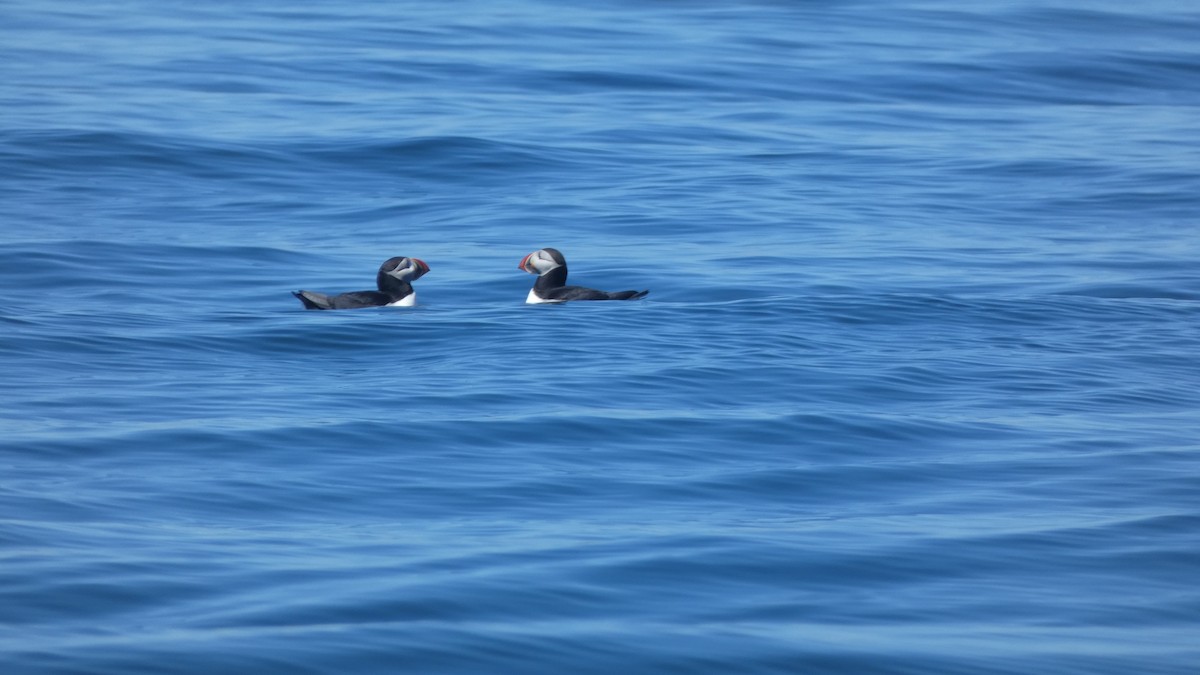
{"points": [[394, 281], [551, 268]]}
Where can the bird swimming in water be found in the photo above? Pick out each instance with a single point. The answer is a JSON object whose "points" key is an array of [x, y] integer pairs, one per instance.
{"points": [[394, 282], [551, 268]]}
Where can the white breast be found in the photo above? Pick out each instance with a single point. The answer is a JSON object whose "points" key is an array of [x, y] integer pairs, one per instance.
{"points": [[407, 301], [534, 299]]}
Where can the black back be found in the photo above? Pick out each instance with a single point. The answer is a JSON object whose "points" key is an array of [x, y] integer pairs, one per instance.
{"points": [[553, 286]]}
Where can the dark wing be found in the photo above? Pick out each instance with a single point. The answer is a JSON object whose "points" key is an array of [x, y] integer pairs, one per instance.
{"points": [[357, 299], [313, 300], [564, 293], [351, 300]]}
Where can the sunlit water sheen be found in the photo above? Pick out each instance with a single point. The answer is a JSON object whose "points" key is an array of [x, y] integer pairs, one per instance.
{"points": [[915, 389]]}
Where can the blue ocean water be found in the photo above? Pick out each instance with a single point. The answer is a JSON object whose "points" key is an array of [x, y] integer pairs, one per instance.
{"points": [[915, 389]]}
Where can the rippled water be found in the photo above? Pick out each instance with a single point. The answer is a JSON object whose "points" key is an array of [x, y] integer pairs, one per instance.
{"points": [[915, 388]]}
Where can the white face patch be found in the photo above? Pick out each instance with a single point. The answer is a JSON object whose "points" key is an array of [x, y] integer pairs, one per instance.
{"points": [[403, 273], [542, 262]]}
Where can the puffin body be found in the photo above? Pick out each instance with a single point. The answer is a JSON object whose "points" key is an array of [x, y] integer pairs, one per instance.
{"points": [[551, 285], [394, 281]]}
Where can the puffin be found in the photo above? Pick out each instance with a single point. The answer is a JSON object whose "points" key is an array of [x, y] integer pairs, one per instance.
{"points": [[551, 268], [394, 281]]}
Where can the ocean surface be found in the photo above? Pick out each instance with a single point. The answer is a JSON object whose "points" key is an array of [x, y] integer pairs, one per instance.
{"points": [[916, 388]]}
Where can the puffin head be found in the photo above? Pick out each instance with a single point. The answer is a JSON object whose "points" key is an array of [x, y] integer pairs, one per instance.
{"points": [[404, 269], [542, 260]]}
